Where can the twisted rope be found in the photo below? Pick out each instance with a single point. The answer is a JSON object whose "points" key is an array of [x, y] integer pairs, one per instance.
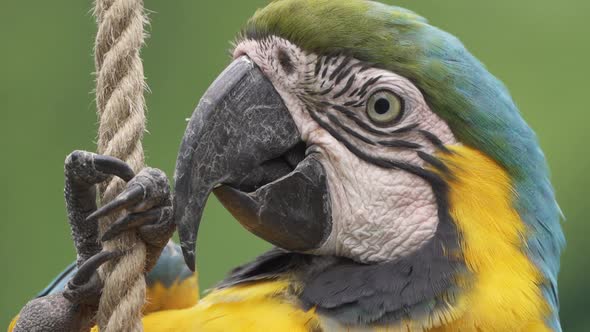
{"points": [[120, 106]]}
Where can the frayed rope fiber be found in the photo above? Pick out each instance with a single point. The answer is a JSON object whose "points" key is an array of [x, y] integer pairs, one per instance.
{"points": [[120, 84]]}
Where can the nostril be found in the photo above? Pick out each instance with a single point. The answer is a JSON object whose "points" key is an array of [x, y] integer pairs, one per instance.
{"points": [[286, 62]]}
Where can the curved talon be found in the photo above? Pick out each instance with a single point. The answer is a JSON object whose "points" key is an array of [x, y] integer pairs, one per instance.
{"points": [[131, 221], [113, 166], [127, 198], [89, 267]]}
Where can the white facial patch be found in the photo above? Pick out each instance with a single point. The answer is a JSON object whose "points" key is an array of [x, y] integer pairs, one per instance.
{"points": [[379, 213]]}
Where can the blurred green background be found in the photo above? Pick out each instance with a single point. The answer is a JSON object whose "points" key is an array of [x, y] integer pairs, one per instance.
{"points": [[539, 48]]}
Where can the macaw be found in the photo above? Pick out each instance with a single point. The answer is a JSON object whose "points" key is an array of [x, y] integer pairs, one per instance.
{"points": [[393, 173]]}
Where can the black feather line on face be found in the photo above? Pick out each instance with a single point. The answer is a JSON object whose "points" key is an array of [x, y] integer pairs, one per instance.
{"points": [[367, 85], [435, 162], [405, 129], [398, 143], [346, 87], [432, 138], [359, 104], [351, 115], [325, 72], [326, 91], [343, 75], [348, 130], [350, 103], [340, 67], [318, 67]]}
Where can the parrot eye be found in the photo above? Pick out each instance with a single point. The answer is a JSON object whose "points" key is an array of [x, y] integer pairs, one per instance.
{"points": [[384, 107]]}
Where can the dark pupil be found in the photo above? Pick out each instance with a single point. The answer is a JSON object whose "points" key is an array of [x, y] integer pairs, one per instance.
{"points": [[382, 106]]}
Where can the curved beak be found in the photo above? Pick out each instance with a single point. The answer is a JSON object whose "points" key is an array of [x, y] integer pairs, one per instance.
{"points": [[242, 143]]}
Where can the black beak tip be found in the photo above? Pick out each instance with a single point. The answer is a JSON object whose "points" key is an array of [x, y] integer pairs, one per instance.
{"points": [[187, 230]]}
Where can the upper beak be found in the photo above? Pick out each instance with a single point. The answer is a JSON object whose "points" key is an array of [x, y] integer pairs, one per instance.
{"points": [[236, 141]]}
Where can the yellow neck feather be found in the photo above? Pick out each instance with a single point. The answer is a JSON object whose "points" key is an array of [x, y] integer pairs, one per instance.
{"points": [[504, 295]]}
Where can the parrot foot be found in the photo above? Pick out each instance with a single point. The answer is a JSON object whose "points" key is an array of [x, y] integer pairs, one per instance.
{"points": [[147, 202], [70, 310]]}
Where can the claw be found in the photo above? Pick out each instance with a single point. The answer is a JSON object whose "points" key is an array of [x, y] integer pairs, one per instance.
{"points": [[89, 267], [131, 221], [113, 166], [126, 199], [85, 287]]}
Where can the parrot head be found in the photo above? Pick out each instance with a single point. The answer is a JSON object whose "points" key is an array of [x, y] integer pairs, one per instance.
{"points": [[354, 129]]}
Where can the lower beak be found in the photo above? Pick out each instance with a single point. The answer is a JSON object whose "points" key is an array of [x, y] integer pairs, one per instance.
{"points": [[242, 143]]}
